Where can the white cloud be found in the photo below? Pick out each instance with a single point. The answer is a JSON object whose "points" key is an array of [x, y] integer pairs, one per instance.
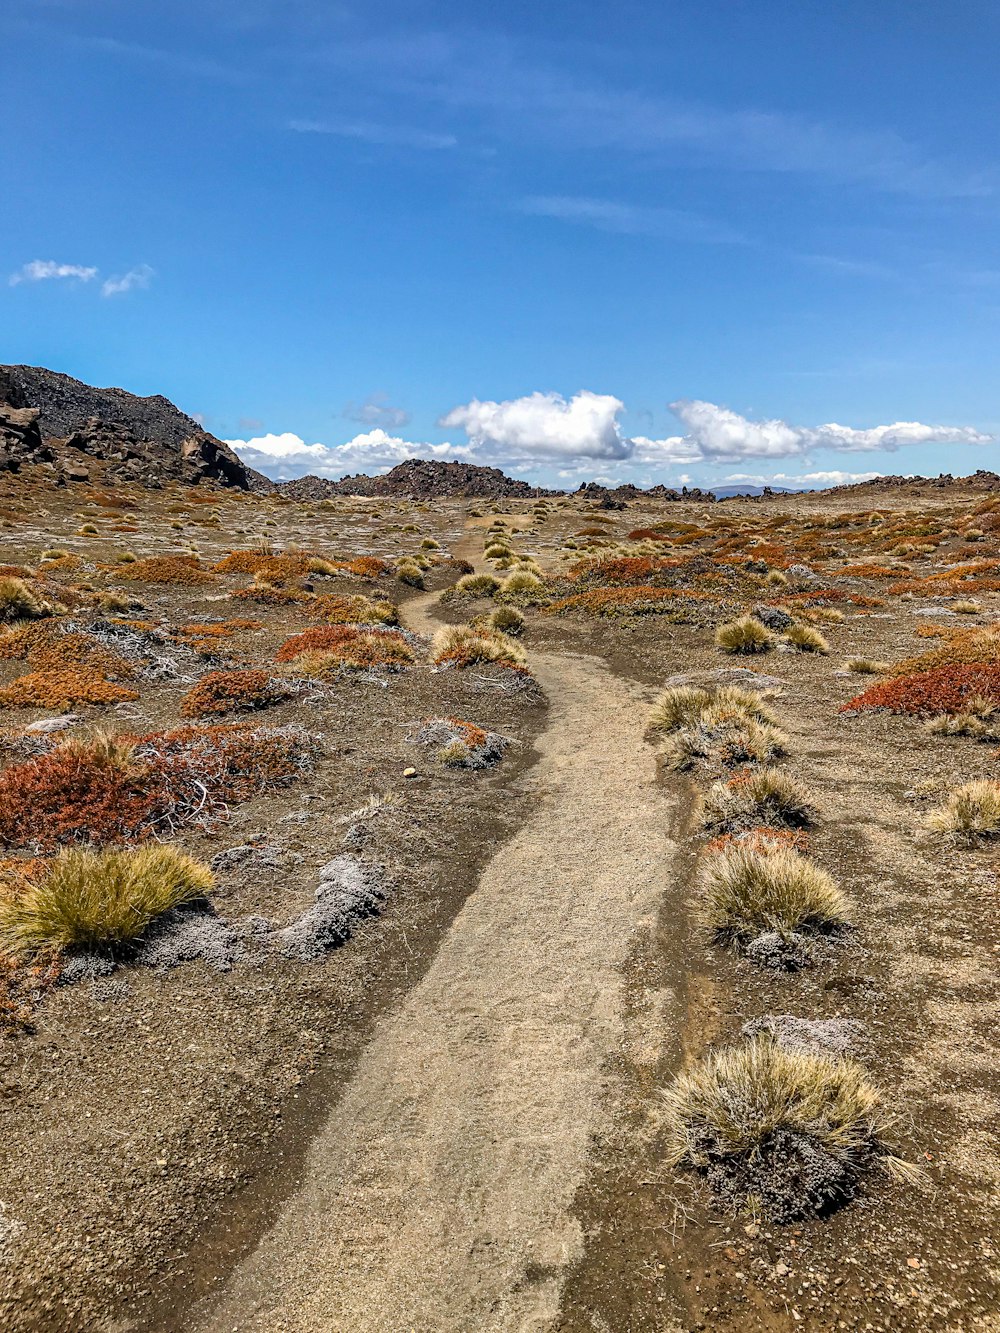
{"points": [[631, 219], [375, 451], [833, 478], [38, 270], [392, 136], [722, 435], [545, 425], [126, 282]]}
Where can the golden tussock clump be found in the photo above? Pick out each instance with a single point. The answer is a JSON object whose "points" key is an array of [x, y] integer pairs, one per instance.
{"points": [[18, 602], [477, 585], [806, 639], [766, 796], [747, 892], [463, 646], [789, 1132], [745, 635], [971, 811], [99, 899]]}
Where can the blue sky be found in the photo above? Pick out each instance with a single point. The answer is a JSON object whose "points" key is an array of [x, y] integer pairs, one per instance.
{"points": [[687, 241]]}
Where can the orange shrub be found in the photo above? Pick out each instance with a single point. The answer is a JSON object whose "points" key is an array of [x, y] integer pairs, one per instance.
{"points": [[232, 692], [335, 638], [182, 569], [168, 780], [947, 689], [63, 687]]}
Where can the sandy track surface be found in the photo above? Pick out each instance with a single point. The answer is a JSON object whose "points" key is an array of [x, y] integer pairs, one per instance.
{"points": [[439, 1194]]}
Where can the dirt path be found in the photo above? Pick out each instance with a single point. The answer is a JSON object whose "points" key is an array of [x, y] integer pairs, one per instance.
{"points": [[439, 1195]]}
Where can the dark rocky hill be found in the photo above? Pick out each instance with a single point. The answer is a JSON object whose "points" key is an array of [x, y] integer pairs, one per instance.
{"points": [[420, 479], [88, 434]]}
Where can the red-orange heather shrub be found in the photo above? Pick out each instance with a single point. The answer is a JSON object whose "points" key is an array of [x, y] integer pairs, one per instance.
{"points": [[947, 689], [182, 569], [329, 638], [629, 601], [165, 781], [367, 567], [232, 692], [62, 687]]}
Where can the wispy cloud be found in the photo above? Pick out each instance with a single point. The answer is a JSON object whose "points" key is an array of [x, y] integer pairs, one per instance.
{"points": [[391, 136], [851, 268], [631, 219], [137, 277], [40, 270], [567, 110], [376, 410]]}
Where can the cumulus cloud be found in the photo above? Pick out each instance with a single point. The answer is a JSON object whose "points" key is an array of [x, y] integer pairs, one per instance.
{"points": [[545, 425], [38, 270], [581, 435], [722, 435], [126, 282], [375, 451]]}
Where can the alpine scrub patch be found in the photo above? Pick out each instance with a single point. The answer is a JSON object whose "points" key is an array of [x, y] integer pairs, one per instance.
{"points": [[461, 744], [745, 635], [351, 646], [787, 1133], [232, 692], [99, 899], [62, 688]]}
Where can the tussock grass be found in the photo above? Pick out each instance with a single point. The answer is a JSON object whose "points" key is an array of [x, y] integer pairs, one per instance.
{"points": [[745, 635], [497, 550], [477, 585], [776, 578], [967, 608], [100, 899], [979, 718], [765, 796], [507, 619], [462, 646], [971, 811], [522, 585], [785, 1132], [18, 602], [867, 666], [806, 639], [686, 705], [747, 893]]}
